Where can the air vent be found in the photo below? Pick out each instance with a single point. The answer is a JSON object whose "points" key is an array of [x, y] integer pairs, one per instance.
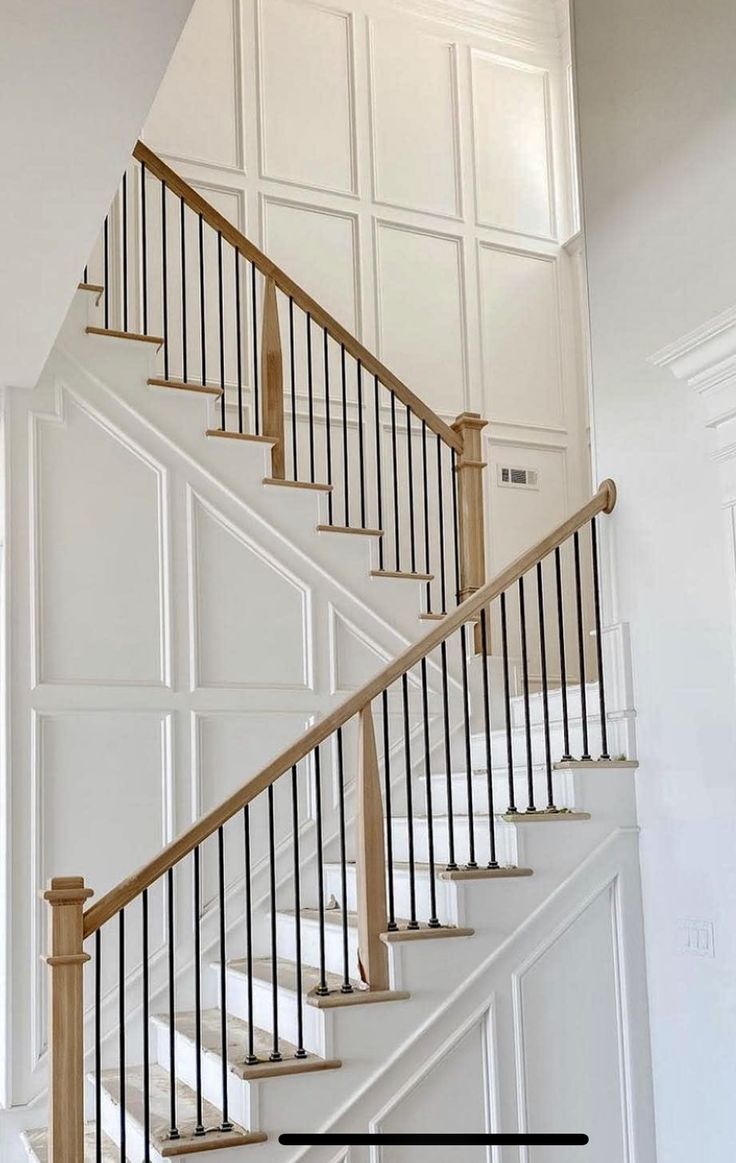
{"points": [[518, 478]]}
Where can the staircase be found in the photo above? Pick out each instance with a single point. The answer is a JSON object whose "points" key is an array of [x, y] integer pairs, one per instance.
{"points": [[447, 799]]}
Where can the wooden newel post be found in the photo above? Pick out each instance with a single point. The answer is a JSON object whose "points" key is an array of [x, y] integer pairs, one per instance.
{"points": [[272, 377], [472, 532], [66, 896], [371, 862]]}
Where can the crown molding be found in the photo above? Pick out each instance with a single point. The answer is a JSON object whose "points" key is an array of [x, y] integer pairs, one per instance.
{"points": [[704, 357], [535, 24]]}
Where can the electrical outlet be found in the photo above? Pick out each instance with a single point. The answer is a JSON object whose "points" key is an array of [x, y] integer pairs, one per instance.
{"points": [[696, 937]]}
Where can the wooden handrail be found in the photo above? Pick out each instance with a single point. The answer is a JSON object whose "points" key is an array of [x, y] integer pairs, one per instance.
{"points": [[110, 904], [231, 234]]}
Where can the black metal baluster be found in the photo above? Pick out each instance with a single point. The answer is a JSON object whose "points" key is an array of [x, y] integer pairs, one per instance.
{"points": [[493, 862], [121, 1033], [144, 250], [250, 1058], [581, 647], [545, 692], [125, 251], [85, 276], [410, 474], [413, 923], [507, 706], [221, 320], [472, 862], [225, 1124], [310, 392], [599, 639], [346, 986], [173, 1129], [425, 497], [395, 475], [98, 1046], [563, 668], [183, 236], [164, 281], [275, 1055], [300, 1051], [328, 421], [199, 1126], [433, 919], [146, 1035], [254, 313], [361, 443], [452, 863], [379, 467], [106, 268], [527, 712], [345, 454], [292, 383], [203, 309], [389, 831], [441, 524], [238, 341], [322, 988]]}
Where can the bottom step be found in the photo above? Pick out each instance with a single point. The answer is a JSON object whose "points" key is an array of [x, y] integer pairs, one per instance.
{"points": [[36, 1144], [186, 1116]]}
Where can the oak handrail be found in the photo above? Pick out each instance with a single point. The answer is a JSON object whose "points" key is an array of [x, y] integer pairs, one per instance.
{"points": [[250, 251], [117, 898]]}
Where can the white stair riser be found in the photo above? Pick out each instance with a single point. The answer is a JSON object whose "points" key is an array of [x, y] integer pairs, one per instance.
{"points": [[562, 787], [334, 958], [186, 1071], [314, 1018], [446, 893], [554, 703], [507, 848], [499, 750]]}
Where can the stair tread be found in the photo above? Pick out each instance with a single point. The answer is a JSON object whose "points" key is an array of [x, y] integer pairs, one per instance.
{"points": [[286, 974], [37, 1145], [442, 872], [334, 917], [188, 1142], [237, 1044]]}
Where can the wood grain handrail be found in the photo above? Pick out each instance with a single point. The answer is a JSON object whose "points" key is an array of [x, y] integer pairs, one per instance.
{"points": [[250, 251], [110, 904]]}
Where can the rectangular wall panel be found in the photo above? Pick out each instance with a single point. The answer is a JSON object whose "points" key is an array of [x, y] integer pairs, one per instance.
{"points": [[421, 315], [414, 108], [512, 172], [197, 113], [520, 329], [306, 79]]}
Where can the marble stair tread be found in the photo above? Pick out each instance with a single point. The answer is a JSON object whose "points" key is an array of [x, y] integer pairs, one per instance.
{"points": [[237, 1046], [286, 978], [37, 1146], [186, 1107]]}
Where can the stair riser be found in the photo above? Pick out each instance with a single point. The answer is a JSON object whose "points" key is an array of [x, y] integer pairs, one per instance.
{"points": [[334, 958], [314, 1019], [445, 891], [554, 702], [507, 847], [561, 786], [499, 752], [186, 1071]]}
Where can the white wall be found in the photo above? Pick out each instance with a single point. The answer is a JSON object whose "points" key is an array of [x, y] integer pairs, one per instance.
{"points": [[76, 83], [410, 165], [657, 114]]}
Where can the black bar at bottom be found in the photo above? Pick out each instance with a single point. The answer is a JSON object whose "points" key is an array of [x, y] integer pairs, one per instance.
{"points": [[434, 1140]]}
